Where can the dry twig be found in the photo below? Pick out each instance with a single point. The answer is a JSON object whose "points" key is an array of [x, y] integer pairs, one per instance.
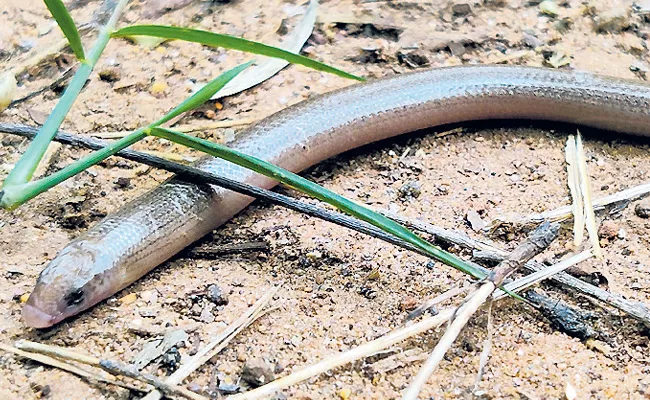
{"points": [[585, 189], [540, 239], [112, 367]]}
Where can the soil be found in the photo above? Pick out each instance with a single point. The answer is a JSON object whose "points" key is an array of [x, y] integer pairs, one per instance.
{"points": [[339, 289]]}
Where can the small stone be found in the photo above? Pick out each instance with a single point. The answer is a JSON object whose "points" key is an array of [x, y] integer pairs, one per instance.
{"points": [[531, 41], [613, 20], [123, 183], [171, 360], [642, 209], [216, 295], [461, 9], [345, 393], [257, 372], [549, 7], [409, 190], [110, 74], [475, 221], [228, 388], [457, 48], [206, 315], [608, 229], [413, 59], [128, 299], [159, 88], [408, 303]]}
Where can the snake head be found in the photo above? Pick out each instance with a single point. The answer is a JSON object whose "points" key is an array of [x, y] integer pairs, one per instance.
{"points": [[72, 282]]}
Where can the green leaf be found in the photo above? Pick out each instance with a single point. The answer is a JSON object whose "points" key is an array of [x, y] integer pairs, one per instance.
{"points": [[228, 42], [203, 94], [65, 22], [306, 186]]}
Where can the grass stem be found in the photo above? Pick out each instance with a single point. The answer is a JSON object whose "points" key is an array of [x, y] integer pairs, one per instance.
{"points": [[24, 170]]}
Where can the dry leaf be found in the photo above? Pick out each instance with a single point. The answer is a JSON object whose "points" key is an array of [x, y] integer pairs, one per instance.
{"points": [[268, 67]]}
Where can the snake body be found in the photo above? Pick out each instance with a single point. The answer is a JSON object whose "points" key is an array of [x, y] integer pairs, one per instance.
{"points": [[144, 233]]}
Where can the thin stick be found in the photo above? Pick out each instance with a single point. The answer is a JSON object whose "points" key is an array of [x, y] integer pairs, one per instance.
{"points": [[116, 368], [53, 362], [185, 129], [636, 310], [216, 345], [545, 273], [539, 240], [212, 251], [427, 305], [112, 367], [487, 347], [564, 213]]}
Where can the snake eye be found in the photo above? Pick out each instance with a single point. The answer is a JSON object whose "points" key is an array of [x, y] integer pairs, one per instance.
{"points": [[75, 297]]}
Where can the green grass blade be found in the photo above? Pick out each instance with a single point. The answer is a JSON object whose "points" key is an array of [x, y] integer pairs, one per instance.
{"points": [[14, 195], [203, 94], [26, 165], [306, 186], [65, 22], [228, 42]]}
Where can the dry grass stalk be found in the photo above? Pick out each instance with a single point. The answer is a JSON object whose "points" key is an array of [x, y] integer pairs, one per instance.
{"points": [[184, 129], [487, 347], [462, 316], [112, 367], [577, 202], [538, 276], [73, 369], [585, 189], [539, 240]]}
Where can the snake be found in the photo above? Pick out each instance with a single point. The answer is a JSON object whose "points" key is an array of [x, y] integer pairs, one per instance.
{"points": [[144, 233]]}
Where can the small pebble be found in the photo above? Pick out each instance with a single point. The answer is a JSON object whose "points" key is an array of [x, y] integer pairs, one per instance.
{"points": [[345, 393], [158, 88], [642, 209], [408, 303], [549, 8], [461, 9], [128, 299], [228, 388], [475, 220], [123, 183], [608, 229], [257, 372], [110, 74], [613, 20], [410, 190], [216, 295]]}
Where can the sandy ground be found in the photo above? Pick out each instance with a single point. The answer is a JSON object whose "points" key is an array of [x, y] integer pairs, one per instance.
{"points": [[329, 303]]}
